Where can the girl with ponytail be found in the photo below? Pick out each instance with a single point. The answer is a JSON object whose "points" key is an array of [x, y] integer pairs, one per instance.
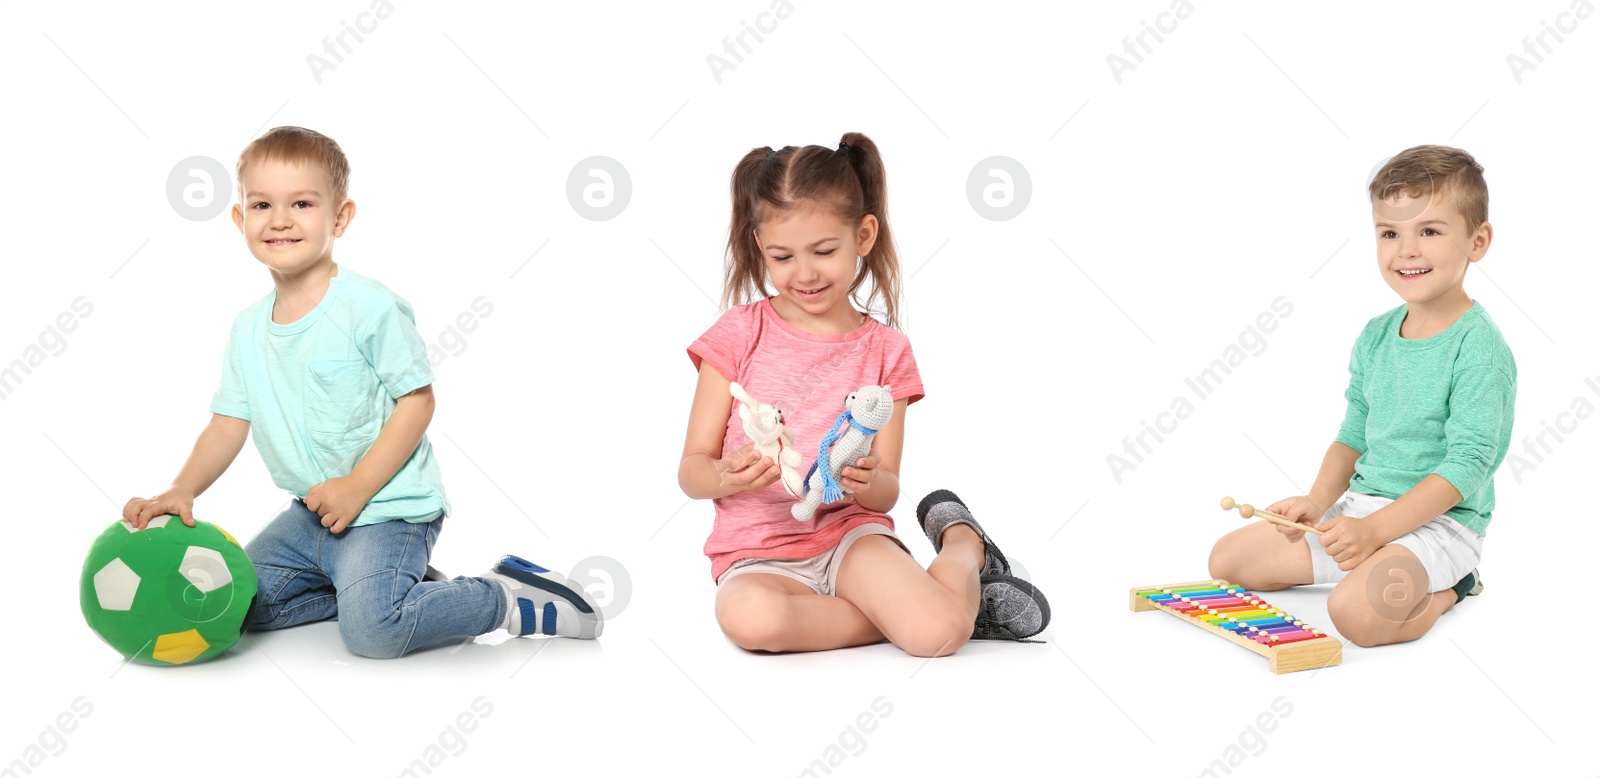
{"points": [[809, 246]]}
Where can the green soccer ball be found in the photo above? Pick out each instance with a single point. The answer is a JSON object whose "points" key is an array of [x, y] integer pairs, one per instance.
{"points": [[168, 594]]}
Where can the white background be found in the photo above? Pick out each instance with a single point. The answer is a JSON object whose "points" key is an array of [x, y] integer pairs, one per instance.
{"points": [[1226, 170]]}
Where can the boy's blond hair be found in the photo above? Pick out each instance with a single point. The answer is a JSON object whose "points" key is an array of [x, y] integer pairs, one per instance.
{"points": [[1421, 171], [298, 145]]}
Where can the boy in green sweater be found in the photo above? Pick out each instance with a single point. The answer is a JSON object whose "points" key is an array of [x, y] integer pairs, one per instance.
{"points": [[1407, 488]]}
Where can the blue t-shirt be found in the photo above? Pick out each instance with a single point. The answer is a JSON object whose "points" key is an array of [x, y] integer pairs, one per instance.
{"points": [[317, 392]]}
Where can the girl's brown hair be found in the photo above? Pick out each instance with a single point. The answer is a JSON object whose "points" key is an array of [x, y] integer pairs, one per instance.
{"points": [[849, 179]]}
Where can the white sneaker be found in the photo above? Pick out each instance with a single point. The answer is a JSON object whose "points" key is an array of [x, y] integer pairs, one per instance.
{"points": [[544, 603]]}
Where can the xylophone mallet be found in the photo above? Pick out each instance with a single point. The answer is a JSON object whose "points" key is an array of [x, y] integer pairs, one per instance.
{"points": [[1247, 511]]}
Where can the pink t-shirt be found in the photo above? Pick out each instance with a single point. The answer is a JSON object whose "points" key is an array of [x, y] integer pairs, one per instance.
{"points": [[807, 378]]}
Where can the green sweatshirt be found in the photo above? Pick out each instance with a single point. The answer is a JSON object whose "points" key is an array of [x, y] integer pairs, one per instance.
{"points": [[1436, 405]]}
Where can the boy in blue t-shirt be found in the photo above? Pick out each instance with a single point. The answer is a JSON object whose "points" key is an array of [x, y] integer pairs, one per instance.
{"points": [[1406, 490], [331, 378]]}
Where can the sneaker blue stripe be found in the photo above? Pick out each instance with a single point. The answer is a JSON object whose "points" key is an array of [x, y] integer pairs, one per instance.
{"points": [[526, 608], [511, 570], [524, 564], [549, 624]]}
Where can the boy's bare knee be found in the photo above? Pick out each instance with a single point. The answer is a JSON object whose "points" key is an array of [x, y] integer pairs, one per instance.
{"points": [[1229, 562], [1356, 619], [1221, 564], [1378, 603]]}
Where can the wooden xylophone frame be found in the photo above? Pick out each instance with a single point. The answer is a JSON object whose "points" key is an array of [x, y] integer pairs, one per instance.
{"points": [[1292, 657]]}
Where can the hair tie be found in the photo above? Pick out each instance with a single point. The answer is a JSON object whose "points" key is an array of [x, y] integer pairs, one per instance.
{"points": [[844, 148]]}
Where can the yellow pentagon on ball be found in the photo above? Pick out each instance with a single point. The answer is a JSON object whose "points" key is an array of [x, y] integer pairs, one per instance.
{"points": [[229, 537], [179, 647]]}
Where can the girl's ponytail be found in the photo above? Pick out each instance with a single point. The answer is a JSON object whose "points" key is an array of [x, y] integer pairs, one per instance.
{"points": [[882, 262], [745, 273]]}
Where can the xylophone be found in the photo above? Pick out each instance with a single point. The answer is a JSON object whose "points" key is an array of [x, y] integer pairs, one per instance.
{"points": [[1244, 618]]}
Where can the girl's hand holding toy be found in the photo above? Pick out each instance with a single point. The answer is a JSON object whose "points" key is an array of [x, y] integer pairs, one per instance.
{"points": [[850, 440], [746, 470], [859, 478], [764, 425]]}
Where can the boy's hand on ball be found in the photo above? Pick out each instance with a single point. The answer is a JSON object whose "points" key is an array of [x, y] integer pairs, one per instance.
{"points": [[140, 510], [746, 470], [338, 501], [1350, 540]]}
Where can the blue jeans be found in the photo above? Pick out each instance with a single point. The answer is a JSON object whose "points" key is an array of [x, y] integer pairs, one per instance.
{"points": [[369, 578]]}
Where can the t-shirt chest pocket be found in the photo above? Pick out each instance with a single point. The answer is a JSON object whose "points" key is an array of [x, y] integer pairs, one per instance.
{"points": [[339, 396]]}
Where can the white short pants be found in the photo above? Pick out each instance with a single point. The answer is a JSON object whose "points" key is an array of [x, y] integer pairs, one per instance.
{"points": [[1448, 551]]}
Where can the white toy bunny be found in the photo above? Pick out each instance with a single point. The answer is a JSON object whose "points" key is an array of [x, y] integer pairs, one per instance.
{"points": [[866, 411], [765, 427]]}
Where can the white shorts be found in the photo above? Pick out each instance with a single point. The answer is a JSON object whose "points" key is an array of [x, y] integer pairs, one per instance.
{"points": [[820, 572], [1448, 551]]}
